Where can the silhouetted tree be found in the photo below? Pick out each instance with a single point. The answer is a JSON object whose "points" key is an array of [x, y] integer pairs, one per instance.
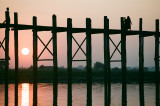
{"points": [[116, 69], [41, 67], [98, 66], [145, 68]]}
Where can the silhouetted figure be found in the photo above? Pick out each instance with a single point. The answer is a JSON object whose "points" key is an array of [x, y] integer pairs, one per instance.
{"points": [[128, 23], [6, 13]]}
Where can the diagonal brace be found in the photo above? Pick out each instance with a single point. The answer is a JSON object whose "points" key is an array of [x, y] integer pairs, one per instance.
{"points": [[45, 46], [1, 44], [79, 47], [116, 47]]}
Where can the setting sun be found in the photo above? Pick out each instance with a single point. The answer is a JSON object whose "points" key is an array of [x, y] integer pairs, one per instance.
{"points": [[25, 51]]}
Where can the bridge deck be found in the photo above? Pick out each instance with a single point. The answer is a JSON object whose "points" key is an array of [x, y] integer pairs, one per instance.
{"points": [[78, 30]]}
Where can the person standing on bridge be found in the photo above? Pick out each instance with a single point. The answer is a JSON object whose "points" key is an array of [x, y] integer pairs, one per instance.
{"points": [[128, 23], [7, 16]]}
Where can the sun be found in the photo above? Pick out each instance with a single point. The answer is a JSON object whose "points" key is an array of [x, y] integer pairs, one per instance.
{"points": [[25, 51]]}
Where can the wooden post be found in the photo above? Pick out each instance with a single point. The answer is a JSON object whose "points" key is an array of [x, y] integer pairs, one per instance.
{"points": [[69, 59], [141, 64], [89, 62], [16, 56], [157, 63], [123, 63], [55, 67], [106, 62], [34, 61], [6, 54]]}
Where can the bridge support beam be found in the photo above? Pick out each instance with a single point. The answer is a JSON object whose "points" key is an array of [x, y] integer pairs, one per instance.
{"points": [[6, 54], [123, 63], [69, 59], [89, 62], [157, 63], [34, 61], [55, 65], [141, 64], [16, 56], [107, 82]]}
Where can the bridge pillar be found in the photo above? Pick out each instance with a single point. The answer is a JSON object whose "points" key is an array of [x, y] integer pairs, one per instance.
{"points": [[107, 81], [6, 54], [123, 63], [157, 79], [55, 64], [89, 61], [69, 59], [34, 61], [16, 56], [141, 64]]}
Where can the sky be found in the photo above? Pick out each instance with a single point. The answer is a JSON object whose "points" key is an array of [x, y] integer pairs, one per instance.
{"points": [[79, 10]]}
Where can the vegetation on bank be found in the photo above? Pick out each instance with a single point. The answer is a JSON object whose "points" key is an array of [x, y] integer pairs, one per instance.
{"points": [[45, 74]]}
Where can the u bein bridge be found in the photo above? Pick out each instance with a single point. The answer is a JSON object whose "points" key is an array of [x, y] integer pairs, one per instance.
{"points": [[70, 58]]}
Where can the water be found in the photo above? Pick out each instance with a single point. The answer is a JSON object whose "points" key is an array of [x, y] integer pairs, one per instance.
{"points": [[79, 91]]}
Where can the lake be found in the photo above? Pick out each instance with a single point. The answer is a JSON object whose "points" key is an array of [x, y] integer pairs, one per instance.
{"points": [[79, 91]]}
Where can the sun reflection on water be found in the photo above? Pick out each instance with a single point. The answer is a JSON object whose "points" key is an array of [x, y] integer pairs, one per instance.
{"points": [[25, 94]]}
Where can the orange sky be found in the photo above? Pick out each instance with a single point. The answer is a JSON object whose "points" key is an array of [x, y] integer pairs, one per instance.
{"points": [[78, 10]]}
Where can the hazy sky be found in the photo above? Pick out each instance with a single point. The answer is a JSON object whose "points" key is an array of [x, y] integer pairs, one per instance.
{"points": [[78, 10]]}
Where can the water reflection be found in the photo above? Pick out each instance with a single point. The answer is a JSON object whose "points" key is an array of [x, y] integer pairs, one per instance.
{"points": [[25, 94], [79, 91]]}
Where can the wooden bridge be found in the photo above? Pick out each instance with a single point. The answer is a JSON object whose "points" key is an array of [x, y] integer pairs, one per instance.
{"points": [[70, 57]]}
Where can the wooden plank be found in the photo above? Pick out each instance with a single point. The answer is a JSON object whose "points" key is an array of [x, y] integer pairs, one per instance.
{"points": [[45, 60], [123, 63], [34, 61], [78, 60], [89, 62], [141, 64], [115, 61], [2, 59], [55, 64], [16, 57], [107, 69], [69, 60], [157, 64]]}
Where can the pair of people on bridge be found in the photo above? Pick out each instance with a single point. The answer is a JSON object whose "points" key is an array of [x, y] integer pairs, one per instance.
{"points": [[127, 23]]}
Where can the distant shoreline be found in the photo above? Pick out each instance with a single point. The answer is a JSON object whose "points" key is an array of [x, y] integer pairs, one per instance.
{"points": [[78, 76], [75, 80]]}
